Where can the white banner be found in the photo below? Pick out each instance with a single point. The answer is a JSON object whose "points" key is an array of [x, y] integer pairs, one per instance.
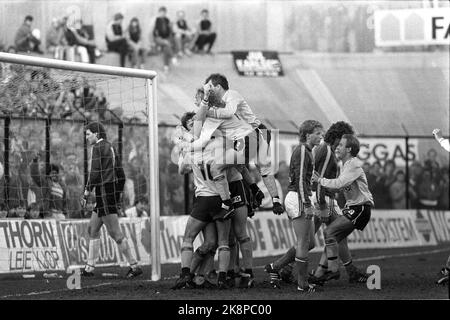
{"points": [[43, 245], [29, 245], [412, 27]]}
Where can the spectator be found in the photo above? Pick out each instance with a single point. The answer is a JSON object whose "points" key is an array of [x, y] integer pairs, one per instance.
{"points": [[18, 186], [163, 36], [53, 191], [79, 37], [428, 191], [430, 162], [55, 39], [134, 36], [397, 191], [183, 35], [443, 202], [415, 179], [27, 40], [115, 38], [33, 211], [206, 35], [73, 181], [389, 178], [139, 210], [366, 168], [377, 181]]}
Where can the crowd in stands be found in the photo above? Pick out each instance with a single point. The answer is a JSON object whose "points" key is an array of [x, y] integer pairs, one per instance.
{"points": [[35, 92], [428, 184], [68, 38]]}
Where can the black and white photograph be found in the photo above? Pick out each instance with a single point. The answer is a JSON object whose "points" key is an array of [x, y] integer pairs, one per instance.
{"points": [[224, 158]]}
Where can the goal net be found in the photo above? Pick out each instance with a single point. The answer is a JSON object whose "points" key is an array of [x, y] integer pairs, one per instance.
{"points": [[45, 105]]}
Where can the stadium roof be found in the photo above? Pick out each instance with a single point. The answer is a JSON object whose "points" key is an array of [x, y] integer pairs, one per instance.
{"points": [[380, 94]]}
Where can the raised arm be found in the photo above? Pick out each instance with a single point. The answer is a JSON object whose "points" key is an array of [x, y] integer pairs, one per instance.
{"points": [[442, 141]]}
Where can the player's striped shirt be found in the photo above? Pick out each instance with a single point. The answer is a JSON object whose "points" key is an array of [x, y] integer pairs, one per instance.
{"points": [[300, 173], [353, 181], [235, 104], [325, 164]]}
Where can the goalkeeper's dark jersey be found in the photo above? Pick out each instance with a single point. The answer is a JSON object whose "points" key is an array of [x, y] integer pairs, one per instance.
{"points": [[325, 163], [300, 173]]}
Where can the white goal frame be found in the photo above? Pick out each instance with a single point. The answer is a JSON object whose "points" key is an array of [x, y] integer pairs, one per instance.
{"points": [[150, 77]]}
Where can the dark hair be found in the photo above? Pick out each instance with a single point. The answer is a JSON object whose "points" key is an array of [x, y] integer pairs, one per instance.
{"points": [[162, 9], [217, 78], [336, 131], [185, 118], [141, 199], [352, 143], [97, 127], [28, 18], [307, 127], [52, 167], [204, 10], [118, 16]]}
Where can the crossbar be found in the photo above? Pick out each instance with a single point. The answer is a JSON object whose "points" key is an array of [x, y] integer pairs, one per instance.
{"points": [[76, 66]]}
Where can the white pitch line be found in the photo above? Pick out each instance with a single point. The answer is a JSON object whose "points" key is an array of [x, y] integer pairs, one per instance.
{"points": [[411, 254], [257, 267], [53, 291]]}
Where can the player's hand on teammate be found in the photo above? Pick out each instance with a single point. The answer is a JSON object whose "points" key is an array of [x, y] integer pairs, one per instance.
{"points": [[315, 177], [437, 134], [207, 88]]}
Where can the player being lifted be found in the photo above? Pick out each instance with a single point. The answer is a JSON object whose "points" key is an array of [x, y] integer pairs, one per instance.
{"points": [[107, 177], [232, 116], [239, 200], [326, 164], [359, 200]]}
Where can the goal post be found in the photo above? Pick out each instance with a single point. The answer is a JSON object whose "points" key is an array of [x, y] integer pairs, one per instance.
{"points": [[150, 92]]}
